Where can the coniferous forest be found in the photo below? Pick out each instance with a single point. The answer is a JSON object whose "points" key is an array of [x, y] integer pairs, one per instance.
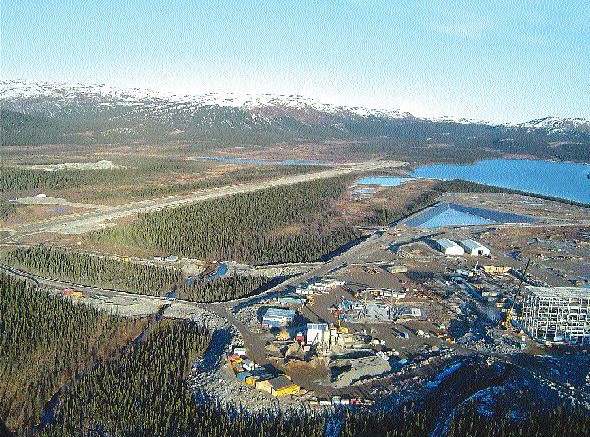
{"points": [[139, 177], [143, 393], [113, 273], [294, 223], [44, 342]]}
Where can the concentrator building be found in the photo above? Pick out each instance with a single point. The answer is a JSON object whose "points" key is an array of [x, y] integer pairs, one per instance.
{"points": [[557, 314]]}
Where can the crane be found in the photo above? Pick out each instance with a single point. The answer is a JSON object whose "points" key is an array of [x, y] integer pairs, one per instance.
{"points": [[507, 323]]}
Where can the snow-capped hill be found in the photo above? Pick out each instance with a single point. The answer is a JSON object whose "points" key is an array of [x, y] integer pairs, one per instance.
{"points": [[30, 96], [557, 125], [114, 114], [11, 90]]}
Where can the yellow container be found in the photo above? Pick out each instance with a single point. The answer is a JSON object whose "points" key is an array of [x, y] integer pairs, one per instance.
{"points": [[251, 380]]}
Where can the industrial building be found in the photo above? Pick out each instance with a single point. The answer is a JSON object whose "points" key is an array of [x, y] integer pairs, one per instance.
{"points": [[449, 247], [557, 314], [318, 287], [277, 317], [474, 248], [279, 386], [317, 333]]}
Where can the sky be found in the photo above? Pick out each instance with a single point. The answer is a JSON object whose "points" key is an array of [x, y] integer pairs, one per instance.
{"points": [[493, 60]]}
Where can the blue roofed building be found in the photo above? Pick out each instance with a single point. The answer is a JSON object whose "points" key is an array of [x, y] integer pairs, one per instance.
{"points": [[277, 317]]}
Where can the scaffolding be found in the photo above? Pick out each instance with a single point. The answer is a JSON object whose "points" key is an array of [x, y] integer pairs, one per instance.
{"points": [[557, 314]]}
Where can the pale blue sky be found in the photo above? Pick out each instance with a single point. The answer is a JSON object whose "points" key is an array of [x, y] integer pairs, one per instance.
{"points": [[492, 60]]}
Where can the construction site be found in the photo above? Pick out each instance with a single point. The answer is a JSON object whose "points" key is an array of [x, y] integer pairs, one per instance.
{"points": [[499, 276], [409, 299], [557, 314]]}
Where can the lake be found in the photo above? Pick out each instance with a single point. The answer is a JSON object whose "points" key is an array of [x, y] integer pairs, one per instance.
{"points": [[566, 180]]}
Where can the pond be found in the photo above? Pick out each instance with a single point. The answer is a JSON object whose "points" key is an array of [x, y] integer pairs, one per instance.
{"points": [[383, 181], [219, 272]]}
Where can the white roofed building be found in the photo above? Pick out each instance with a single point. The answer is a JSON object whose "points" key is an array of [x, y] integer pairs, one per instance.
{"points": [[449, 247], [317, 333], [474, 248]]}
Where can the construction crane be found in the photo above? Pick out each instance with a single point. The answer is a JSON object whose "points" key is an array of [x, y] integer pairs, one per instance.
{"points": [[507, 323]]}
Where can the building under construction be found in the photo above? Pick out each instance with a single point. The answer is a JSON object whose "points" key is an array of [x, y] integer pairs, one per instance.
{"points": [[557, 314]]}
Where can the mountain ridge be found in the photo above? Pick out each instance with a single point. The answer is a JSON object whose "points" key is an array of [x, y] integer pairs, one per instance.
{"points": [[27, 96], [35, 113], [15, 90]]}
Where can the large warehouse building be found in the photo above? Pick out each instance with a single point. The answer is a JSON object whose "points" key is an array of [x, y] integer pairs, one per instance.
{"points": [[557, 314], [474, 248], [449, 247]]}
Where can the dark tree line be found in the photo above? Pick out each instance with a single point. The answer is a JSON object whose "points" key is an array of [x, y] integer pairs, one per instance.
{"points": [[294, 223], [6, 209], [221, 289], [140, 177], [414, 421], [14, 179], [144, 393], [67, 265], [100, 271], [539, 423], [44, 342]]}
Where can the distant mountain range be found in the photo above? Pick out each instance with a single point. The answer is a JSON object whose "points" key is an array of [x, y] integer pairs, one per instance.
{"points": [[44, 113], [556, 124], [29, 96]]}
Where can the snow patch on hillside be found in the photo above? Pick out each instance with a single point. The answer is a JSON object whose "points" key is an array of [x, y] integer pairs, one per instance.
{"points": [[61, 94]]}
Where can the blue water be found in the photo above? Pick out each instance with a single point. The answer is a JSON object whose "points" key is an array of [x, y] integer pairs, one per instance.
{"points": [[451, 217], [219, 272], [383, 181], [252, 161], [566, 180], [452, 214]]}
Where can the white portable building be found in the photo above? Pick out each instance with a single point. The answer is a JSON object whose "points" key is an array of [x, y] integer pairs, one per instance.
{"points": [[317, 333]]}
